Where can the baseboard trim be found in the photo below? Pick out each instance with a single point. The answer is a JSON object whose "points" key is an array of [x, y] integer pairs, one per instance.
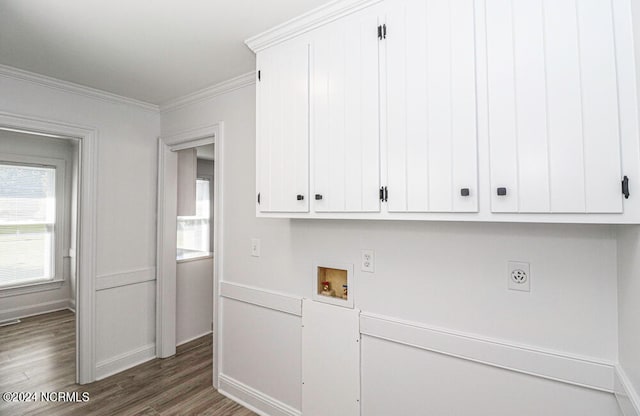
{"points": [[627, 397], [267, 299], [254, 400], [575, 370], [72, 305], [32, 310], [194, 338], [125, 361]]}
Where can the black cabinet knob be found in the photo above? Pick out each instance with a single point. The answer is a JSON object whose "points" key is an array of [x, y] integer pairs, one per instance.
{"points": [[318, 197], [300, 197], [464, 191], [502, 191]]}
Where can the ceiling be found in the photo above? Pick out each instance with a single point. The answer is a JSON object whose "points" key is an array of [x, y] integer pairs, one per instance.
{"points": [[152, 51]]}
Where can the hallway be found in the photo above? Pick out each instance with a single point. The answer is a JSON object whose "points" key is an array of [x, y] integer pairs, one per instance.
{"points": [[38, 355]]}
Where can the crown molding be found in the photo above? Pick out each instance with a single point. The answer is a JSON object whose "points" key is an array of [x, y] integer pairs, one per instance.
{"points": [[213, 91], [70, 87], [306, 22]]}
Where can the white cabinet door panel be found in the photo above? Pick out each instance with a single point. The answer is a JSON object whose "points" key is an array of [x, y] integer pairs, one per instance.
{"points": [[600, 106], [530, 107], [564, 108], [344, 115], [431, 141], [553, 110], [464, 107], [330, 360], [282, 128], [502, 112]]}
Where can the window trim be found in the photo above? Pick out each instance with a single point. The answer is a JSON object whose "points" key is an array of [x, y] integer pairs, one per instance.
{"points": [[59, 226]]}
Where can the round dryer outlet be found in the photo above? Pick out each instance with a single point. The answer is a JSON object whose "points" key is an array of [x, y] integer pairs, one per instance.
{"points": [[519, 276]]}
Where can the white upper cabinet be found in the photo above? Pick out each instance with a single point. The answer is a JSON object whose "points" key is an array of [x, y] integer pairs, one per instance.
{"points": [[456, 110], [282, 149], [553, 107], [344, 115], [430, 108]]}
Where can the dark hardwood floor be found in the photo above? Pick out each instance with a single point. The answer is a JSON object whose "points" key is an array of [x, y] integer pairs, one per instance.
{"points": [[38, 355]]}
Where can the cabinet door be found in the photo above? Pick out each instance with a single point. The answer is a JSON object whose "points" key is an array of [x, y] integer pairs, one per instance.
{"points": [[431, 139], [344, 115], [282, 151], [553, 106], [330, 360]]}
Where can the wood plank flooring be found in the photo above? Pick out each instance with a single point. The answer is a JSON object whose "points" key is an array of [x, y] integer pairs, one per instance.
{"points": [[38, 355]]}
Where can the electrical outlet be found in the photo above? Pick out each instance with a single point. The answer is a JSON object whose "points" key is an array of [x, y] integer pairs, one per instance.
{"points": [[518, 276], [255, 247], [368, 261]]}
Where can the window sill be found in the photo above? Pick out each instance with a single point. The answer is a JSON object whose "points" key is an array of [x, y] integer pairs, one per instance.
{"points": [[30, 288], [188, 259]]}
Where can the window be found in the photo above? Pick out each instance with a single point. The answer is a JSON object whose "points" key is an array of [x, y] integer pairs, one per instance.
{"points": [[27, 224], [194, 237]]}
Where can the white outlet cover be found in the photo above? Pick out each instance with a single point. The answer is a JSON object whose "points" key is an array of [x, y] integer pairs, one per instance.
{"points": [[368, 261], [255, 247], [519, 276]]}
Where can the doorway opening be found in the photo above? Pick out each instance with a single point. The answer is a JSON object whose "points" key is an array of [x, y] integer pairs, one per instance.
{"points": [[39, 215], [189, 232], [194, 243]]}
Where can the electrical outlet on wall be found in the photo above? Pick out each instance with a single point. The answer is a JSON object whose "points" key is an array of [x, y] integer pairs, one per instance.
{"points": [[255, 247], [518, 276], [368, 261]]}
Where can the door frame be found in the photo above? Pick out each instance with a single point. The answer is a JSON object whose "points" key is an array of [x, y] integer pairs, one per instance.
{"points": [[166, 235], [86, 234]]}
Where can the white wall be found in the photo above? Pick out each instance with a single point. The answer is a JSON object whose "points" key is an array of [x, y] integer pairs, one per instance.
{"points": [[194, 299], [17, 306], [449, 275], [126, 203], [629, 304]]}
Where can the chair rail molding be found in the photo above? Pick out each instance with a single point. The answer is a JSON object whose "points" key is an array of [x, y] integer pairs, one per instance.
{"points": [[276, 301], [627, 396], [571, 369]]}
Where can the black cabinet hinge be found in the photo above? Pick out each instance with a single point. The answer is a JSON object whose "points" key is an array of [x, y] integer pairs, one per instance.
{"points": [[384, 194], [379, 32], [384, 31], [258, 75], [258, 198]]}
